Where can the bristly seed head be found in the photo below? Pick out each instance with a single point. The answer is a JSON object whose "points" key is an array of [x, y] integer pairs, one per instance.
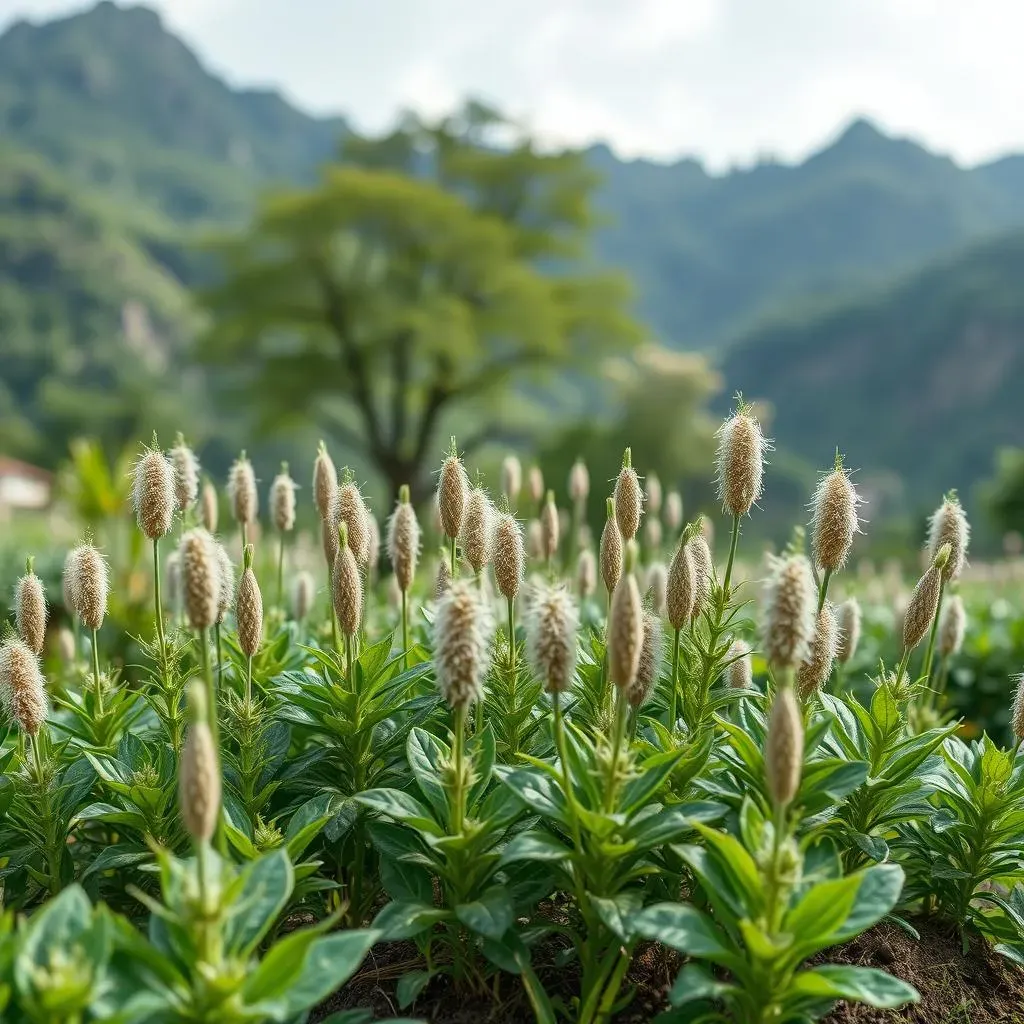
{"points": [[511, 478], [535, 540], [477, 529], [625, 629], [462, 637], [351, 510], [610, 552], [952, 626], [200, 578], [948, 525], [404, 540], [741, 448], [629, 498], [509, 556], [452, 491], [282, 500], [88, 585], [208, 508], [372, 543], [535, 484], [153, 494], [549, 527], [22, 687], [791, 614], [348, 586], [652, 488], [325, 482], [703, 571], [784, 748], [657, 587], [186, 475], [923, 604], [652, 534], [225, 581], [303, 595], [1017, 714], [834, 520], [680, 591], [815, 668], [443, 579], [249, 608], [739, 673], [848, 620], [673, 511], [648, 667], [199, 784], [586, 574], [30, 610], [579, 482], [552, 623], [242, 491]]}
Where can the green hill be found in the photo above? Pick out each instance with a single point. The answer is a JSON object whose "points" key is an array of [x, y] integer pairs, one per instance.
{"points": [[921, 379]]}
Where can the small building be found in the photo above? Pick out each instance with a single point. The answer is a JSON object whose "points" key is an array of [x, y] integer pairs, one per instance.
{"points": [[23, 486]]}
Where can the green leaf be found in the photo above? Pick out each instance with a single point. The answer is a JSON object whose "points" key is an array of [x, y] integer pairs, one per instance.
{"points": [[541, 846], [821, 910], [120, 855], [694, 984], [490, 915], [410, 985], [425, 756], [862, 984], [403, 919], [308, 821], [618, 912], [539, 792], [653, 774], [303, 969], [263, 889], [402, 807], [683, 928], [404, 881]]}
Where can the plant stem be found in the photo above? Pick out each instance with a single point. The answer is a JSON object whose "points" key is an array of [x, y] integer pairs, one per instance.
{"points": [[454, 566], [245, 536], [44, 792], [405, 629], [248, 678], [159, 611], [349, 661], [674, 695], [512, 635], [96, 674], [220, 661], [280, 574], [926, 671], [732, 558], [613, 764], [903, 664], [211, 690], [823, 589], [459, 729], [570, 796]]}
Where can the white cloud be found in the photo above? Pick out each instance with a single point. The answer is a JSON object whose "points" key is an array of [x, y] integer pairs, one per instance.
{"points": [[724, 79]]}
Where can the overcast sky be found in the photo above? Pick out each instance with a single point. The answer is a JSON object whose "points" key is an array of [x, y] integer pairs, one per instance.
{"points": [[724, 80]]}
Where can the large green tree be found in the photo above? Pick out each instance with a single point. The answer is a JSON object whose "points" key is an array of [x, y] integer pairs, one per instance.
{"points": [[405, 295]]}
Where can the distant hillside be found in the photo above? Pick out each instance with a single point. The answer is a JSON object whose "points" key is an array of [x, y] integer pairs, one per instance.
{"points": [[923, 378]]}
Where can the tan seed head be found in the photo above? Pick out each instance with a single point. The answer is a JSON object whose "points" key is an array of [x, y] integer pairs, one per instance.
{"points": [[652, 534], [552, 623], [625, 630], [348, 586], [242, 491], [199, 785], [848, 618], [153, 494], [249, 609], [629, 498], [452, 491], [535, 540], [586, 574], [351, 510], [30, 610], [579, 482], [329, 540], [680, 591], [657, 587], [325, 482], [462, 634], [739, 673], [172, 581], [373, 544], [443, 579], [835, 520], [784, 748], [673, 511], [186, 475], [200, 578], [648, 667], [404, 540], [921, 609], [509, 557], [208, 508], [535, 484], [511, 479], [703, 573], [952, 626], [66, 645], [741, 448], [791, 614], [477, 529], [225, 581], [815, 668], [549, 528], [948, 525], [652, 488], [88, 585], [303, 595], [282, 500], [22, 686], [610, 552]]}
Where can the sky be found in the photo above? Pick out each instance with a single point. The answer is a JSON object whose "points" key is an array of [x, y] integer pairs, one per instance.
{"points": [[726, 81]]}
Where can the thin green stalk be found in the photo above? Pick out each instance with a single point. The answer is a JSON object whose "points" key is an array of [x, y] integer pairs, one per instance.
{"points": [[280, 574], [904, 661], [245, 536], [206, 951], [674, 695], [512, 634], [926, 671], [823, 588], [570, 796], [613, 764], [732, 557], [44, 793], [459, 730], [455, 565], [405, 629], [248, 679], [76, 629], [349, 661], [208, 684], [159, 611], [220, 659], [96, 674]]}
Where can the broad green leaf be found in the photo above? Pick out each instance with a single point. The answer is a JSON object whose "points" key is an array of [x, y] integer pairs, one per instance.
{"points": [[695, 984], [683, 928], [425, 756], [410, 985], [308, 821], [539, 792], [402, 807], [405, 919], [535, 846], [862, 984], [262, 890], [490, 915], [120, 855]]}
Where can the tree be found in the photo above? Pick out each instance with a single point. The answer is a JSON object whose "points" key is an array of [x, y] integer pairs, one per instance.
{"points": [[421, 278]]}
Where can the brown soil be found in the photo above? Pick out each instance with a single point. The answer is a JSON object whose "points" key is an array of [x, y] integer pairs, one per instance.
{"points": [[980, 988]]}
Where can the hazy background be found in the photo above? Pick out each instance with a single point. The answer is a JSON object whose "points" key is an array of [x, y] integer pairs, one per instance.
{"points": [[819, 205]]}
